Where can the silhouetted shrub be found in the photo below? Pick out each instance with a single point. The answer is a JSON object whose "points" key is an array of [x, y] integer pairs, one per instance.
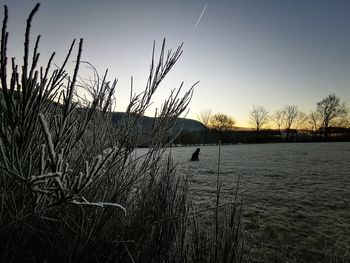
{"points": [[71, 184]]}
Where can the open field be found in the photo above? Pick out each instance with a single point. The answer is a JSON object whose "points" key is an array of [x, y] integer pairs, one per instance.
{"points": [[301, 192]]}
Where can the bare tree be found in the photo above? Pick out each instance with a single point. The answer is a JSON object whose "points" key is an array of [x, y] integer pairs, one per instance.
{"points": [[279, 117], [221, 122], [314, 120], [293, 118], [343, 122], [258, 117], [330, 109], [204, 117]]}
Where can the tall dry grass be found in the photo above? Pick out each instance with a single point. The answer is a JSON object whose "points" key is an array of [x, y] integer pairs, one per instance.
{"points": [[72, 188]]}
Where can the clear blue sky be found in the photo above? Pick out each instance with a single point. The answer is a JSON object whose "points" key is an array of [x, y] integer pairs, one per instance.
{"points": [[244, 53]]}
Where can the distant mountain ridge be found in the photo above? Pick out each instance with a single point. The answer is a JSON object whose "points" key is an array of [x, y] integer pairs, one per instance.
{"points": [[182, 123]]}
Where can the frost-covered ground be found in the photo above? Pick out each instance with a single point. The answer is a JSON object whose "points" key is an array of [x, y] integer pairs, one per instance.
{"points": [[301, 191]]}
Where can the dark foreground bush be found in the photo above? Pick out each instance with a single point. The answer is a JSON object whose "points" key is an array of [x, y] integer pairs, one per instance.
{"points": [[72, 187]]}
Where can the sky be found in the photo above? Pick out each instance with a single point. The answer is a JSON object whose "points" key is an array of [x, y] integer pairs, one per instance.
{"points": [[245, 53]]}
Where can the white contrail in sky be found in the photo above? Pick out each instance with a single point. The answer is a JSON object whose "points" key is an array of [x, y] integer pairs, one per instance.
{"points": [[200, 17]]}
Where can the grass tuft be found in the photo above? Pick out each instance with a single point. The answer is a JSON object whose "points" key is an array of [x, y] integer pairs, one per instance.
{"points": [[72, 188]]}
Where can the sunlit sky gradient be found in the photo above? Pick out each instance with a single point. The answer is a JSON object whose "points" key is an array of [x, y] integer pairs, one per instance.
{"points": [[263, 52]]}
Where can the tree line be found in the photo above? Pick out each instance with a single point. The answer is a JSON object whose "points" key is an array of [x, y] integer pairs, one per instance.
{"points": [[329, 114]]}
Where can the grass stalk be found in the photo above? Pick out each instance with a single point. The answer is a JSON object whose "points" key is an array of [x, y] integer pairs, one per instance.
{"points": [[218, 189]]}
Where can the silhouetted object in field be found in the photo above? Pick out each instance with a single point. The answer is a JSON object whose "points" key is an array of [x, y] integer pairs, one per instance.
{"points": [[195, 155]]}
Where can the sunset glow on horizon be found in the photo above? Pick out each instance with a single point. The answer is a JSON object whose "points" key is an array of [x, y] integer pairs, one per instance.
{"points": [[244, 53]]}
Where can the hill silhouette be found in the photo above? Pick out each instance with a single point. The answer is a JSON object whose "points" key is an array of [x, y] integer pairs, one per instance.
{"points": [[187, 125]]}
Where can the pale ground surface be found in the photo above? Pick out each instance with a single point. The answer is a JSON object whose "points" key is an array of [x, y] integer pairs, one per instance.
{"points": [[300, 190]]}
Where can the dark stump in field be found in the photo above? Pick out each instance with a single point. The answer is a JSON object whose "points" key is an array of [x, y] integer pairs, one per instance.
{"points": [[195, 155]]}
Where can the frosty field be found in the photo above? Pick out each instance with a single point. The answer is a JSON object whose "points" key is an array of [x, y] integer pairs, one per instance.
{"points": [[301, 192]]}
